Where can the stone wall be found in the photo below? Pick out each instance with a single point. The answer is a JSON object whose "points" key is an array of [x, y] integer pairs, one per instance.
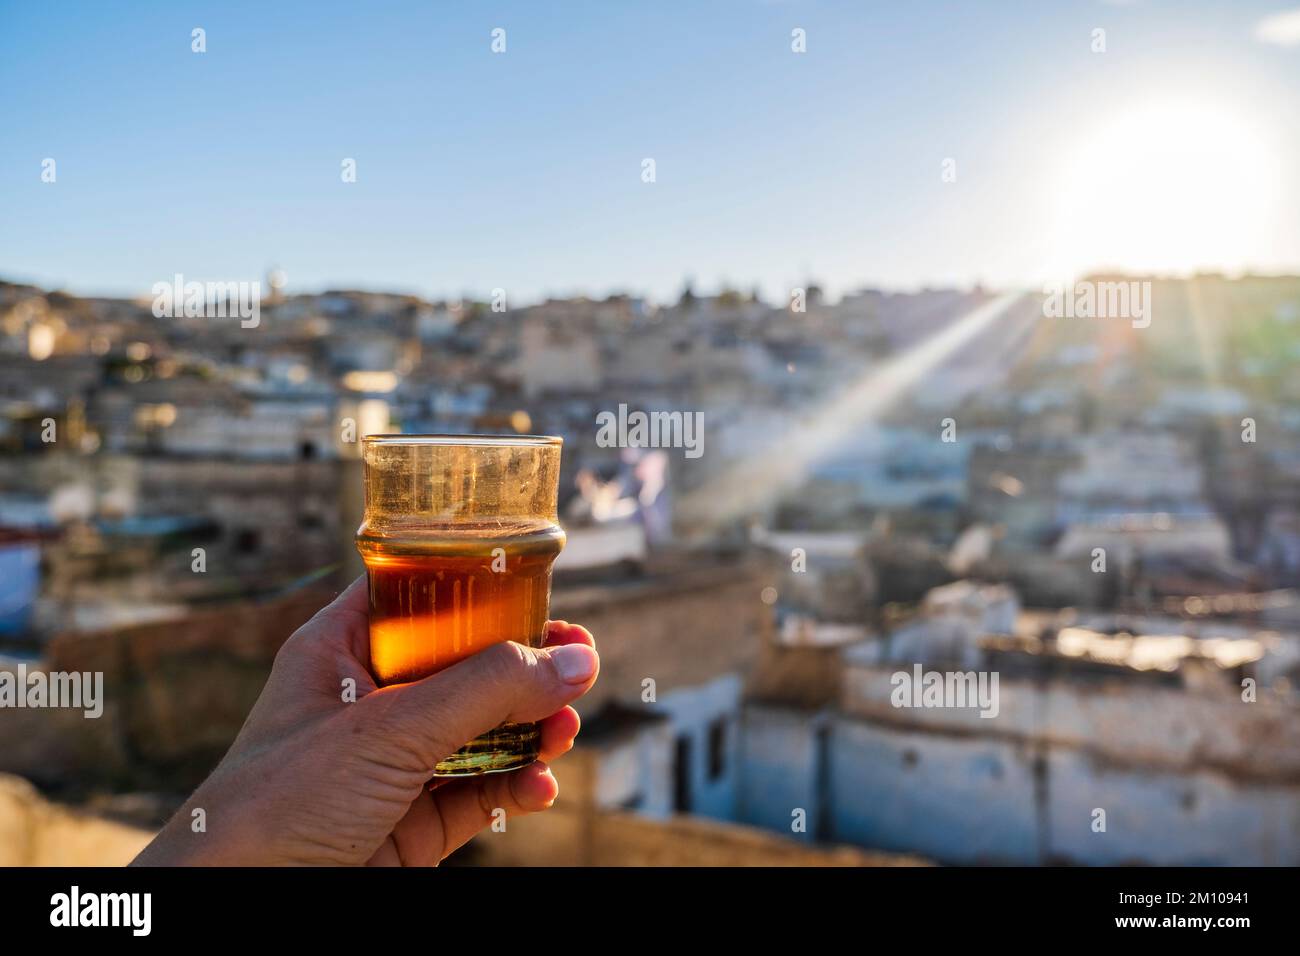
{"points": [[1192, 776], [562, 837], [1135, 722], [781, 769], [176, 694], [576, 832], [35, 832], [680, 629], [988, 799]]}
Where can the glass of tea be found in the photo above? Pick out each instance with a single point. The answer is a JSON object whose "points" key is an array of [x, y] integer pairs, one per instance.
{"points": [[458, 538]]}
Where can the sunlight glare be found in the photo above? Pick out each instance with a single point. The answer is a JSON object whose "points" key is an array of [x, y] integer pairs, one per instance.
{"points": [[1170, 187]]}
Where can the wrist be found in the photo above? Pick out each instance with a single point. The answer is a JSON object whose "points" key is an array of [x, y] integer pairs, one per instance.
{"points": [[201, 833]]}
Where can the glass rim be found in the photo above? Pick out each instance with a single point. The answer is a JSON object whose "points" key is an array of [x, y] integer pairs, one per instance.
{"points": [[486, 441]]}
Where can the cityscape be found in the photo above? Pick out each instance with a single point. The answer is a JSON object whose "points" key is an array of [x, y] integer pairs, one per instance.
{"points": [[1079, 506], [925, 375]]}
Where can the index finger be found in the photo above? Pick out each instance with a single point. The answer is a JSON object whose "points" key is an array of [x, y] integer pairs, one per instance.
{"points": [[343, 624], [562, 632]]}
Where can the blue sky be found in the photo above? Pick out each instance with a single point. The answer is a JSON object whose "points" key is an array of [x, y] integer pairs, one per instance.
{"points": [[523, 170]]}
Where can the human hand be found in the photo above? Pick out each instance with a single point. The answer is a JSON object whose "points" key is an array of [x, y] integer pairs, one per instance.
{"points": [[314, 780]]}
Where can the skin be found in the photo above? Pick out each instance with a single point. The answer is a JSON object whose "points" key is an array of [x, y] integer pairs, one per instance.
{"points": [[312, 780]]}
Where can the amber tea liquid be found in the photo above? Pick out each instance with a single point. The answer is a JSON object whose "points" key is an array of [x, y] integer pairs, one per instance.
{"points": [[439, 594]]}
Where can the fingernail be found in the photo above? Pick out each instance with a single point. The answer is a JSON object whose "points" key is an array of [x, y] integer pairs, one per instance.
{"points": [[575, 663]]}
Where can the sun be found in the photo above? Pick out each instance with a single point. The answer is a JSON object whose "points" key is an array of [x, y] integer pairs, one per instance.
{"points": [[1170, 187]]}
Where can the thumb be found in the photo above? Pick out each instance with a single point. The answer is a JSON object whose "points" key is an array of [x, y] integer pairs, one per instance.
{"points": [[434, 717]]}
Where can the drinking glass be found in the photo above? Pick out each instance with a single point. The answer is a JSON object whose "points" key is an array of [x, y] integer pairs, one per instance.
{"points": [[458, 538]]}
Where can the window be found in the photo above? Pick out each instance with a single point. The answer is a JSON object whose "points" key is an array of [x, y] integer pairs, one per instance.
{"points": [[248, 542], [821, 824], [718, 748], [682, 775]]}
